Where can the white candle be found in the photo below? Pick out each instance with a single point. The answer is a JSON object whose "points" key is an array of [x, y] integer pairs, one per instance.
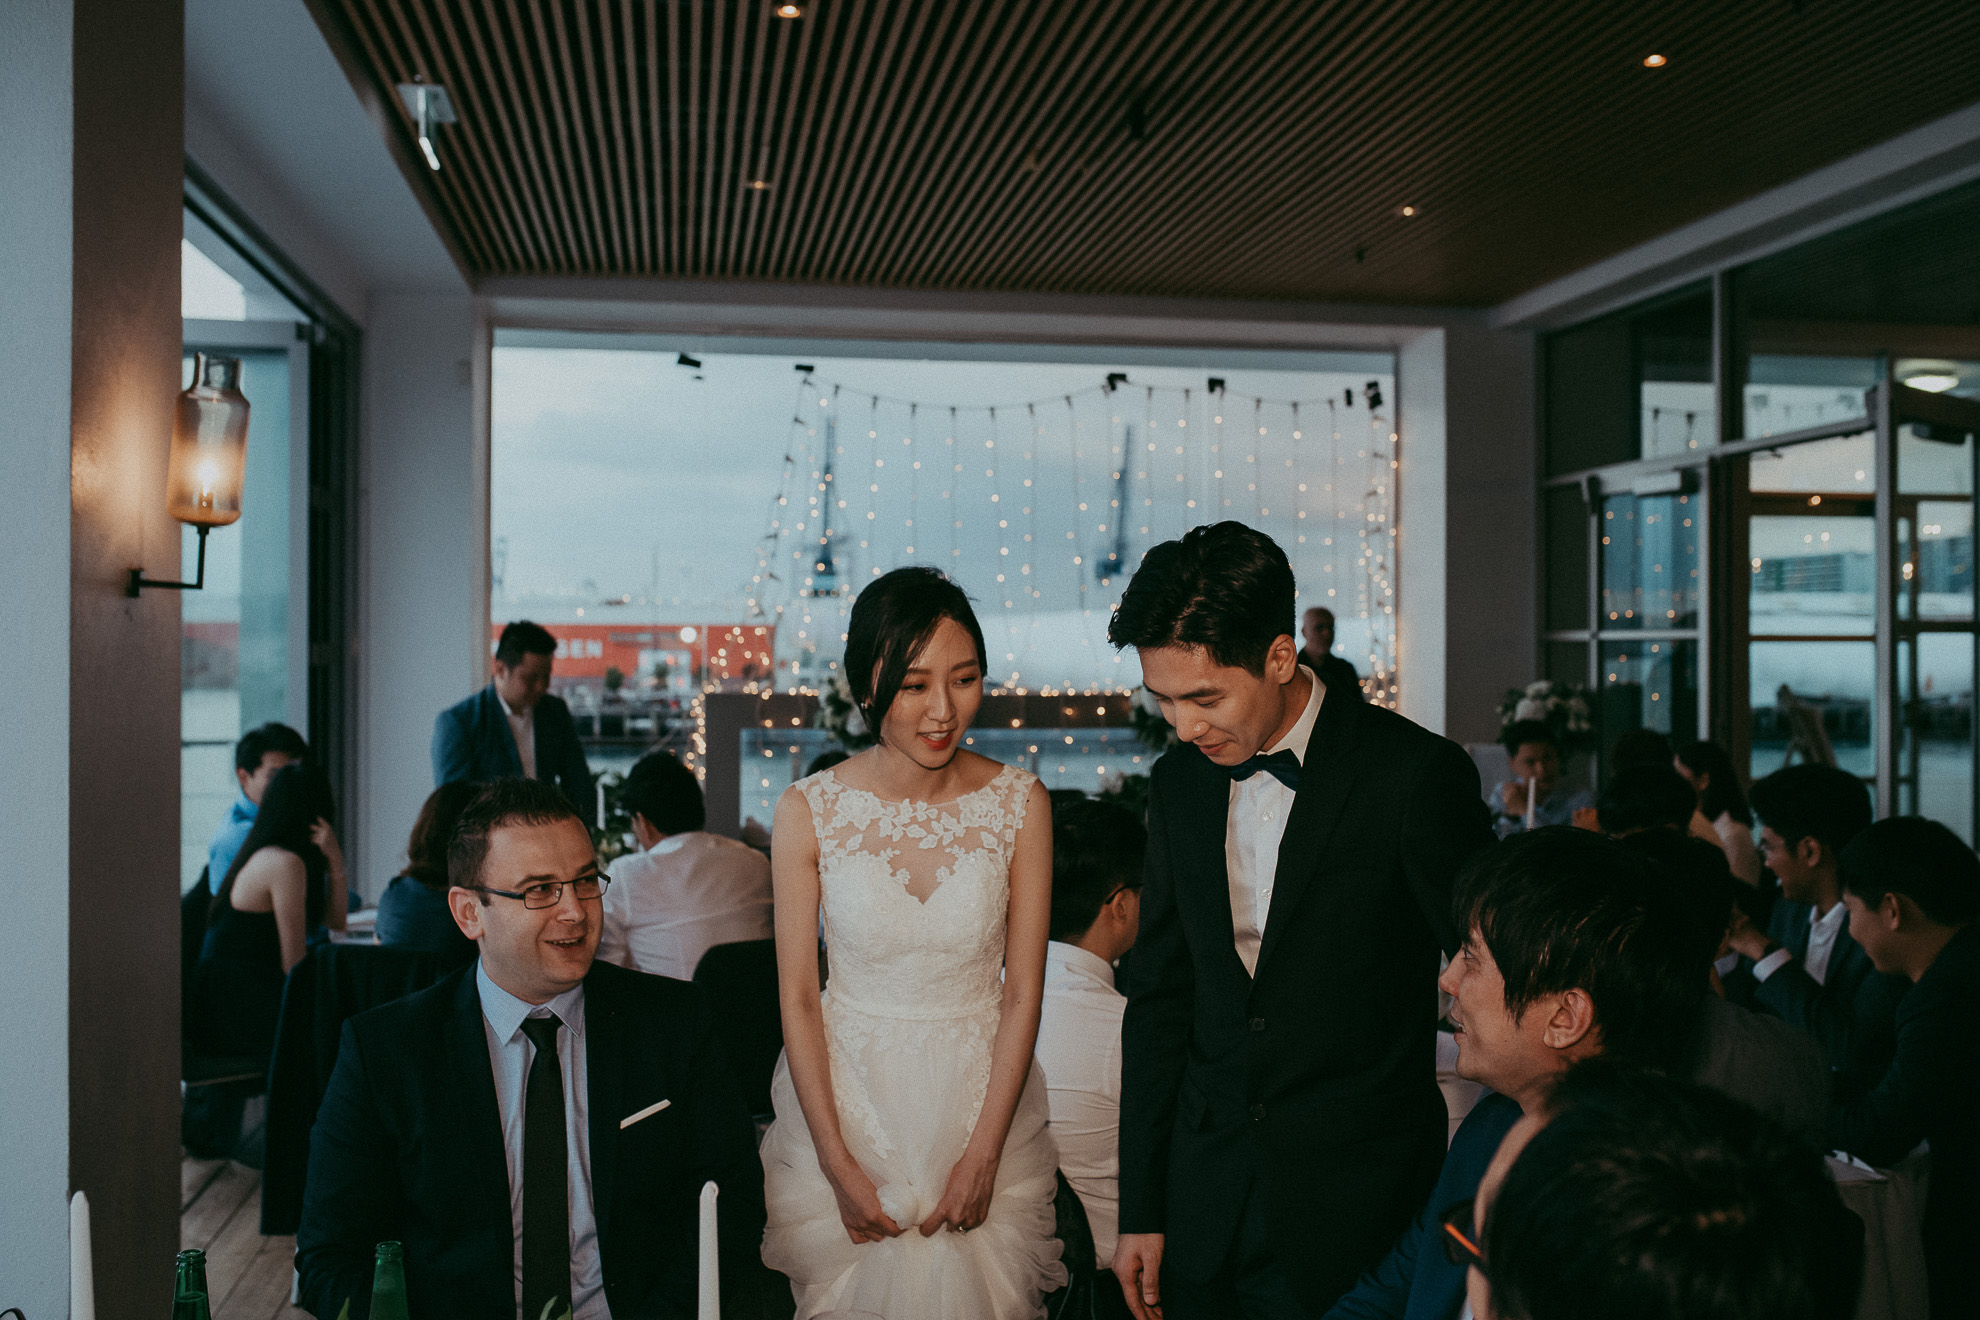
{"points": [[708, 1290], [82, 1267], [1529, 804], [601, 803]]}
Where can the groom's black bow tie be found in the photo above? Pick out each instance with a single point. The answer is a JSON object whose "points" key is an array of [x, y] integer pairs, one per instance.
{"points": [[1281, 765]]}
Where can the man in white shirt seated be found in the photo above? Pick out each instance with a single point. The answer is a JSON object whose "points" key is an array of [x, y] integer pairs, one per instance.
{"points": [[1097, 852], [685, 891]]}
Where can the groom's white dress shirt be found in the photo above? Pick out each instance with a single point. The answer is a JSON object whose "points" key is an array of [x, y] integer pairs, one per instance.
{"points": [[1254, 829], [1079, 1052]]}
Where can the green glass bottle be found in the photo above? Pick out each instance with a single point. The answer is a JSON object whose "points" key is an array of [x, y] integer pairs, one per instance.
{"points": [[189, 1291], [388, 1284]]}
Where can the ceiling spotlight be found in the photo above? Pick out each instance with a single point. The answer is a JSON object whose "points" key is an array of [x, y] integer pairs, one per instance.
{"points": [[1933, 375], [759, 185], [1654, 61], [789, 11], [1406, 211], [428, 104], [685, 361]]}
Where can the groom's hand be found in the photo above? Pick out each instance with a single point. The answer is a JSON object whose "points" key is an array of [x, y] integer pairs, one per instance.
{"points": [[1138, 1265]]}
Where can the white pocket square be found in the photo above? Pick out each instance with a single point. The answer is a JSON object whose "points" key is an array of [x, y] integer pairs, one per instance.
{"points": [[647, 1112]]}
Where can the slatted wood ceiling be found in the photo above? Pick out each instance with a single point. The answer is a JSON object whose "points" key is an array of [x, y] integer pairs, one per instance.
{"points": [[1220, 148]]}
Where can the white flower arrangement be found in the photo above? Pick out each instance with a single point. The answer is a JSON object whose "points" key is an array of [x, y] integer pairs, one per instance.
{"points": [[840, 716], [1562, 707]]}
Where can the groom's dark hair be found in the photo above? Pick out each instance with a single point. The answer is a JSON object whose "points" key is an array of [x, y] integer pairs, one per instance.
{"points": [[1224, 587]]}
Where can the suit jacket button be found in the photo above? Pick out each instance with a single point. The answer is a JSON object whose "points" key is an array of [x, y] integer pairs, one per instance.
{"points": [[1258, 1113], [1258, 1024]]}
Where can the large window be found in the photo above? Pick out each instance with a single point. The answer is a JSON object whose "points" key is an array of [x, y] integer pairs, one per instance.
{"points": [[1796, 581], [690, 522], [265, 640]]}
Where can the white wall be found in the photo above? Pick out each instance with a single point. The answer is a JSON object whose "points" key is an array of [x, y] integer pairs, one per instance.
{"points": [[423, 552], [36, 63]]}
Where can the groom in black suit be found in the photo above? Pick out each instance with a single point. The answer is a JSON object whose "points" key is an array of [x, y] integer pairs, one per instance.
{"points": [[536, 1128], [1280, 1116]]}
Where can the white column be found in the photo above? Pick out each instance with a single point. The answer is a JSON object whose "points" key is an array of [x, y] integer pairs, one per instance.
{"points": [[36, 256], [423, 554], [1468, 558]]}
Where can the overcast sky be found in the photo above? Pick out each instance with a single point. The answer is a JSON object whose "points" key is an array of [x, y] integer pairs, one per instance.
{"points": [[622, 473]]}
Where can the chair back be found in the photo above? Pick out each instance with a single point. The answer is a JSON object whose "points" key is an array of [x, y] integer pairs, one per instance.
{"points": [[194, 907], [740, 981], [332, 983]]}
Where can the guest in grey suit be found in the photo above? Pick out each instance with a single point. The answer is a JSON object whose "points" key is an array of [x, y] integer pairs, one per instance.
{"points": [[513, 728], [1808, 970]]}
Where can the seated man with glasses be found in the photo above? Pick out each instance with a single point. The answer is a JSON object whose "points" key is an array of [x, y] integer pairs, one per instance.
{"points": [[1574, 947], [535, 1128]]}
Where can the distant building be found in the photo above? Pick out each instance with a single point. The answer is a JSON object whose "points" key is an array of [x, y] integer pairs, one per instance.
{"points": [[677, 657]]}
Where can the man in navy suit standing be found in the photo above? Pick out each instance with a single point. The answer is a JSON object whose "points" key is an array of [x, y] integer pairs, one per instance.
{"points": [[513, 727], [536, 1128]]}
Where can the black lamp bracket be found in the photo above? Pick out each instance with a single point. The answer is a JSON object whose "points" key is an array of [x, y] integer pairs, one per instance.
{"points": [[139, 581]]}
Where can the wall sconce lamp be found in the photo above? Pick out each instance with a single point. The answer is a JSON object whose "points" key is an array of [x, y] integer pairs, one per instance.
{"points": [[208, 466]]}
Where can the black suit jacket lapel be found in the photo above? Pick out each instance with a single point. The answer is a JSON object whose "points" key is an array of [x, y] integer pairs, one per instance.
{"points": [[475, 1116], [1326, 778], [1199, 822], [604, 1089]]}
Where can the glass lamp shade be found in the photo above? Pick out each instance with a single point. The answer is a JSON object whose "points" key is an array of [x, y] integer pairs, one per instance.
{"points": [[209, 446]]}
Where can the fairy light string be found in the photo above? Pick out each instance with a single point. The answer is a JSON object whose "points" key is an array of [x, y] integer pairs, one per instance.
{"points": [[1045, 500]]}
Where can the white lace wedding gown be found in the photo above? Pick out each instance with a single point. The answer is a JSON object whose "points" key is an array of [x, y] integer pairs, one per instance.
{"points": [[911, 1009]]}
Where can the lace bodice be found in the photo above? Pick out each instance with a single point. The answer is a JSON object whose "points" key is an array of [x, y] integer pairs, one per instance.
{"points": [[916, 894]]}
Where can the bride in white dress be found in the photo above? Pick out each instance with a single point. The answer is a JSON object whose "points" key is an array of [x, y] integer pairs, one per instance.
{"points": [[909, 1172]]}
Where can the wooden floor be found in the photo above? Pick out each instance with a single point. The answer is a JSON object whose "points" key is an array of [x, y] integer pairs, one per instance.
{"points": [[247, 1275]]}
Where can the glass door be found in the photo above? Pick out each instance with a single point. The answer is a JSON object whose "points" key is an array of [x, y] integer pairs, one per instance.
{"points": [[1811, 542], [1927, 605]]}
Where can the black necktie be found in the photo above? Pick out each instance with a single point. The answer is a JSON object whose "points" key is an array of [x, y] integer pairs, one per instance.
{"points": [[546, 1234], [1282, 765]]}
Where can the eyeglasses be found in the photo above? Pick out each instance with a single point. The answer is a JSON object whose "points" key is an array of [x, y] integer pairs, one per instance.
{"points": [[550, 893], [1455, 1231]]}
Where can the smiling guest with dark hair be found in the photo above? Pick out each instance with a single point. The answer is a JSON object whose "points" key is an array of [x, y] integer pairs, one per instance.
{"points": [[1280, 1117], [535, 1129], [1912, 889], [1572, 949]]}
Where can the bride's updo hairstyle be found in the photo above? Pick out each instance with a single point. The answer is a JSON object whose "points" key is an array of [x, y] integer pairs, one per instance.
{"points": [[891, 621]]}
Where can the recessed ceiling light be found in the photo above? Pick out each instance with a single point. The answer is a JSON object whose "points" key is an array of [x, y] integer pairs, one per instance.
{"points": [[1933, 375], [1654, 61], [789, 11], [759, 185], [1406, 211]]}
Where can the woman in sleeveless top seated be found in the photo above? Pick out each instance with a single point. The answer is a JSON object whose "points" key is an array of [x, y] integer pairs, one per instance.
{"points": [[288, 875], [909, 1172], [412, 912]]}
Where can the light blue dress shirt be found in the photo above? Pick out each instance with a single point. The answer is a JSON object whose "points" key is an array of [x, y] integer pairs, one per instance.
{"points": [[227, 840], [511, 1053]]}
